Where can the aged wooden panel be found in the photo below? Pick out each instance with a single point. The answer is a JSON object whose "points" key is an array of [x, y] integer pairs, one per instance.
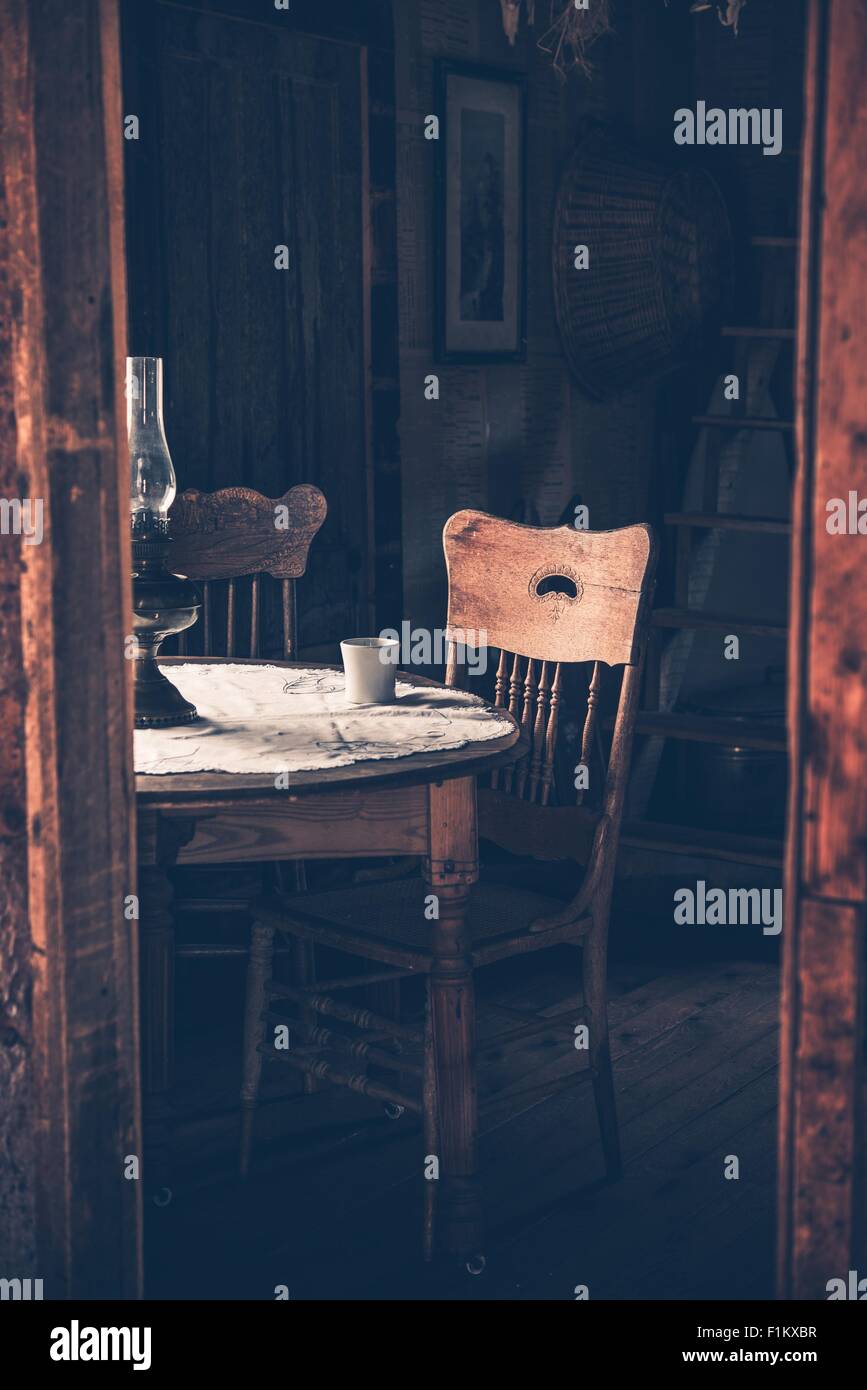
{"points": [[392, 821], [829, 1150], [494, 587], [822, 1123], [17, 1197], [251, 139], [835, 864], [61, 161]]}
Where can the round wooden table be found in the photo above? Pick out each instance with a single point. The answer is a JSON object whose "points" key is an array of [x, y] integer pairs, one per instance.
{"points": [[421, 805]]}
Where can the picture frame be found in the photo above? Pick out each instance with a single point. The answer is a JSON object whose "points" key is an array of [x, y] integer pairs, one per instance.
{"points": [[481, 199]]}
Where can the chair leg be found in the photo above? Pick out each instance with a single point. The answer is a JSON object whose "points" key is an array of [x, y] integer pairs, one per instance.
{"points": [[430, 1134], [258, 976], [292, 878], [596, 1000], [304, 973]]}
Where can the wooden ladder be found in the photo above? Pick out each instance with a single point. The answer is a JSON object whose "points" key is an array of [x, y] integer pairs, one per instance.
{"points": [[757, 348]]}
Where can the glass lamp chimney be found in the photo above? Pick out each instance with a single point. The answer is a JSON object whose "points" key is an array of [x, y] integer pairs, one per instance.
{"points": [[152, 483], [163, 603]]}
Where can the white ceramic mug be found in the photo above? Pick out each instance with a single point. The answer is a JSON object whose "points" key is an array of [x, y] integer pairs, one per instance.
{"points": [[370, 664]]}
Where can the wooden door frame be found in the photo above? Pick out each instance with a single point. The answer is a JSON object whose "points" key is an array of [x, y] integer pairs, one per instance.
{"points": [[64, 376], [67, 845], [62, 258], [822, 1150]]}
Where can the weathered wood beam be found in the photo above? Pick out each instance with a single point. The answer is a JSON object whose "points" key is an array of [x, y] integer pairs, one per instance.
{"points": [[822, 1121], [17, 1193], [62, 260]]}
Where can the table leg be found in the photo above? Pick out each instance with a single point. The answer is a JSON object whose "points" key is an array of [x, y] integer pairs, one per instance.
{"points": [[159, 843], [157, 945], [450, 871]]}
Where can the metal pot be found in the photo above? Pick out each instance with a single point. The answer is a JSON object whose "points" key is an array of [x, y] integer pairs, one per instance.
{"points": [[729, 786]]}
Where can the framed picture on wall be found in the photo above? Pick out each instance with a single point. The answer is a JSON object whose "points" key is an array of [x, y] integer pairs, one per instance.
{"points": [[481, 260]]}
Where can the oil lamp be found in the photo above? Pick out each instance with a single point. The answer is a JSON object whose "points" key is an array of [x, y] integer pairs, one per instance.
{"points": [[163, 603]]}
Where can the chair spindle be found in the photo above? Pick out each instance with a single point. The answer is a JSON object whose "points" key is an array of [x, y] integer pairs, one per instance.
{"points": [[589, 733], [500, 699], [539, 730], [514, 710], [527, 720], [254, 615], [551, 736], [206, 619], [230, 619], [290, 635]]}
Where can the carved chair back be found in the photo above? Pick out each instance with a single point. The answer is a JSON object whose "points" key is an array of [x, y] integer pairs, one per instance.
{"points": [[548, 599], [223, 539]]}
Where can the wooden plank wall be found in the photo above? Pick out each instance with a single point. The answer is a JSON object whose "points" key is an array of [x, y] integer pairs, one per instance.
{"points": [[252, 135], [822, 1124], [62, 264]]}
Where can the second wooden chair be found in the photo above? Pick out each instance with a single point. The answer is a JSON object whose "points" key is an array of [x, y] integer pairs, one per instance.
{"points": [[541, 598], [234, 543]]}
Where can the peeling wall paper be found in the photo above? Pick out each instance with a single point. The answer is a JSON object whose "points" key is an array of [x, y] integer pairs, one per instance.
{"points": [[612, 455], [466, 437], [543, 336], [449, 27], [415, 248], [546, 466], [545, 95], [444, 452], [422, 499]]}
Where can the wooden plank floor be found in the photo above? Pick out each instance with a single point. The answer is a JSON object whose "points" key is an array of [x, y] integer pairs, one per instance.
{"points": [[333, 1208]]}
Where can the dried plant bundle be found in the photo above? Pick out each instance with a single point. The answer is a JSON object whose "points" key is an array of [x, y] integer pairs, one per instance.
{"points": [[732, 14], [573, 32], [511, 16], [728, 11]]}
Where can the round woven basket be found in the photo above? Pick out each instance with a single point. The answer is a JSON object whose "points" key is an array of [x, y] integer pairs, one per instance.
{"points": [[660, 264]]}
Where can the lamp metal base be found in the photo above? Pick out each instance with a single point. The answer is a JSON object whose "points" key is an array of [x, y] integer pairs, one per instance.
{"points": [[163, 604]]}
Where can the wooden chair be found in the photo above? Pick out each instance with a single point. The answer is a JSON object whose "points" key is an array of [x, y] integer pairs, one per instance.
{"points": [[236, 534], [237, 544], [544, 599]]}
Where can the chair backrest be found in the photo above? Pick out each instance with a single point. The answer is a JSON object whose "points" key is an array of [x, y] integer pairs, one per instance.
{"points": [[548, 598], [223, 538]]}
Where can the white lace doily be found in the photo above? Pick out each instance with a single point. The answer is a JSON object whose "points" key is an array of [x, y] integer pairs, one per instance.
{"points": [[269, 719]]}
